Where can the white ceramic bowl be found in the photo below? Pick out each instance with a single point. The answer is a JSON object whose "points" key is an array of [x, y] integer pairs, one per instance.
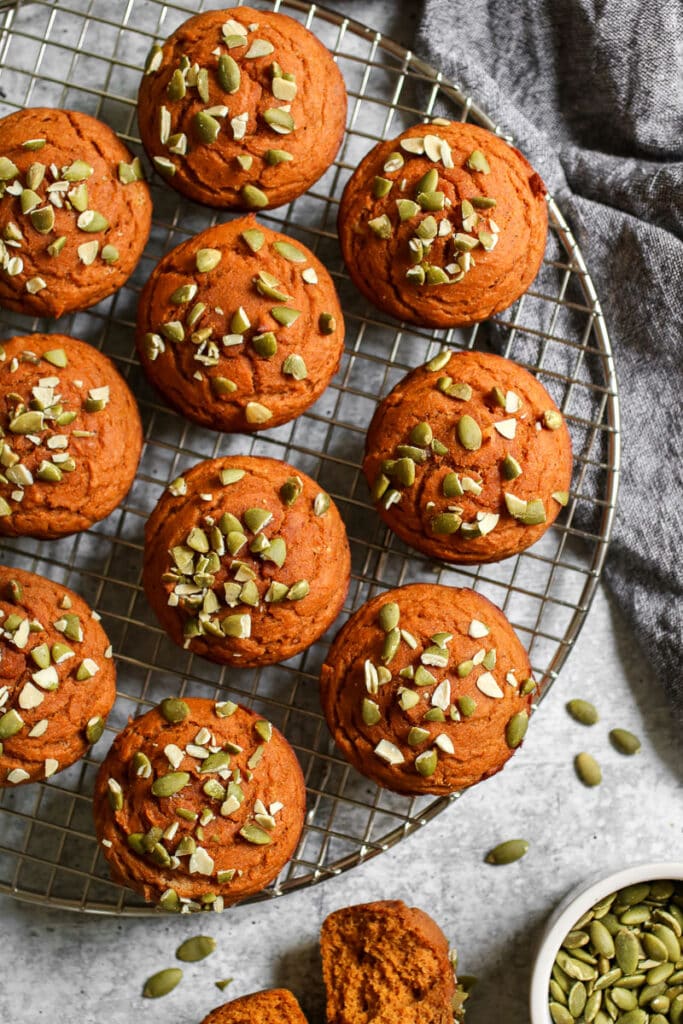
{"points": [[576, 903]]}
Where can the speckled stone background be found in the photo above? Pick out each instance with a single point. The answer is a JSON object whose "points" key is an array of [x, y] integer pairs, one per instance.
{"points": [[69, 969]]}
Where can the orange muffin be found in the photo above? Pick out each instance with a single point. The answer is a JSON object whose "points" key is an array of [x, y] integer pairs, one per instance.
{"points": [[444, 225], [198, 804], [75, 213], [240, 328], [386, 962], [273, 1006], [426, 689], [241, 109], [57, 677], [468, 459], [246, 561], [71, 436]]}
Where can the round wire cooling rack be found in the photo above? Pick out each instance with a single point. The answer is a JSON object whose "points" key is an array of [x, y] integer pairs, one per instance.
{"points": [[87, 55]]}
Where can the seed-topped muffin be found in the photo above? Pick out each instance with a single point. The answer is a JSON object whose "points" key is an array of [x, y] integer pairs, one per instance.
{"points": [[246, 561], [240, 327], [273, 1006], [241, 109], [198, 804], [444, 225], [426, 689], [71, 436], [75, 212], [468, 458], [57, 677], [387, 962]]}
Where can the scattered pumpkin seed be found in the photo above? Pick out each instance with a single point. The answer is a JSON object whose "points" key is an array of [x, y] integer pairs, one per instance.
{"points": [[624, 741], [507, 852], [588, 769], [161, 983], [196, 948], [582, 711]]}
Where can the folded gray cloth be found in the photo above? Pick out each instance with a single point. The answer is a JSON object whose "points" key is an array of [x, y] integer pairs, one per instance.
{"points": [[592, 92]]}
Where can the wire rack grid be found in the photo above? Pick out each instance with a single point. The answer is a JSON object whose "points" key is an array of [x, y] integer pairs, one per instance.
{"points": [[87, 54]]}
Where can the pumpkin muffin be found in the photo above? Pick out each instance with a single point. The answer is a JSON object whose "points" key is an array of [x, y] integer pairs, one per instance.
{"points": [[426, 689], [198, 804], [468, 458], [246, 561], [444, 225], [75, 213], [387, 962], [241, 109], [273, 1006], [71, 436], [57, 677], [240, 328]]}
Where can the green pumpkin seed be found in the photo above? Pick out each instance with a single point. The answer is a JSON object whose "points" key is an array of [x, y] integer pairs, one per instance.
{"points": [[588, 769], [254, 238], [10, 724], [446, 523], [281, 121], [161, 983], [255, 834], [294, 366], [426, 763], [601, 939], [298, 590], [469, 433], [196, 948], [228, 73], [592, 1006], [253, 198], [389, 615], [624, 998], [478, 162], [381, 187], [289, 252], [637, 1016], [515, 731], [507, 852], [576, 999], [273, 157], [207, 259], [94, 730], [627, 950], [391, 645], [381, 226], [560, 1013], [168, 785], [285, 315], [467, 705], [370, 712], [654, 947], [582, 711], [624, 741]]}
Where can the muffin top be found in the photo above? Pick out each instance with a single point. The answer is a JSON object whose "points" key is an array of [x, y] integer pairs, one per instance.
{"points": [[392, 959], [75, 213], [57, 677], [272, 1006], [444, 225], [426, 689], [241, 108], [199, 803], [71, 436], [468, 458], [240, 327], [246, 560]]}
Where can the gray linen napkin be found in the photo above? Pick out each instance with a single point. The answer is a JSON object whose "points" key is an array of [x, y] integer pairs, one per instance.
{"points": [[592, 91]]}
